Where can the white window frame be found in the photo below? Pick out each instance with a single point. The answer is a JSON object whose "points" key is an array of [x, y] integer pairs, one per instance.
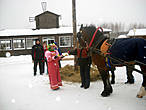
{"points": [[72, 41], [10, 44], [48, 38], [18, 39], [33, 38], [65, 37]]}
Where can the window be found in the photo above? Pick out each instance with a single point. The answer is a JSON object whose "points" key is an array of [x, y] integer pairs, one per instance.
{"points": [[65, 41], [5, 44], [19, 43], [49, 40], [30, 42]]}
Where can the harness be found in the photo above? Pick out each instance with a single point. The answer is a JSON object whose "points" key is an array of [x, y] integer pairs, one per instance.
{"points": [[94, 36], [104, 51], [104, 46]]}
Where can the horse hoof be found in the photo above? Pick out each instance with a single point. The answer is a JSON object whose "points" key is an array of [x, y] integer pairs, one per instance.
{"points": [[130, 82], [111, 90], [112, 82], [139, 96], [105, 93]]}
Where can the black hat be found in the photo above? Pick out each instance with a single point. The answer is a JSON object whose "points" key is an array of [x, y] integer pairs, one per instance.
{"points": [[37, 40]]}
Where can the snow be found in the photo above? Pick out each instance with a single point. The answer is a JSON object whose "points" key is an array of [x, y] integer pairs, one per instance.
{"points": [[137, 32], [121, 36], [20, 90], [20, 32]]}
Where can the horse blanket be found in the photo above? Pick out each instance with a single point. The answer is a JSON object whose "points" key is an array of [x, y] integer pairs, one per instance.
{"points": [[129, 49]]}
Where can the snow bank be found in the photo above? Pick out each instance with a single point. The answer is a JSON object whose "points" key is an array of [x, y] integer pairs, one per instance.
{"points": [[137, 32]]}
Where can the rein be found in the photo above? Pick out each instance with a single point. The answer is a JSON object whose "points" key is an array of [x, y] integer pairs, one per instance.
{"points": [[94, 36], [122, 62]]}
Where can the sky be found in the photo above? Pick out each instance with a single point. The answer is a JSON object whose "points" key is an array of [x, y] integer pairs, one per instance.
{"points": [[16, 13]]}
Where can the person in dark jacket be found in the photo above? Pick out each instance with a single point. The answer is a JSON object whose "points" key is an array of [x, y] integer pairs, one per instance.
{"points": [[38, 57], [84, 61]]}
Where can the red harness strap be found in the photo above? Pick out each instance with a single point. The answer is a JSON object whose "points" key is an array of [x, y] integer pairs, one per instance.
{"points": [[94, 36]]}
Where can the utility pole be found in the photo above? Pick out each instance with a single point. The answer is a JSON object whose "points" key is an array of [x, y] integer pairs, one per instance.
{"points": [[74, 30]]}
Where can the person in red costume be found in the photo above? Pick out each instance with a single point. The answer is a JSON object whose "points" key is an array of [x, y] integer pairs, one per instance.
{"points": [[53, 57]]}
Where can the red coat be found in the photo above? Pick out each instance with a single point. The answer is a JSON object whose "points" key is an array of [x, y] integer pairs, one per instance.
{"points": [[84, 53], [53, 69]]}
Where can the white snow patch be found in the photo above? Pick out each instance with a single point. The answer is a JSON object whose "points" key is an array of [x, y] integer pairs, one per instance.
{"points": [[58, 98], [17, 83], [13, 101]]}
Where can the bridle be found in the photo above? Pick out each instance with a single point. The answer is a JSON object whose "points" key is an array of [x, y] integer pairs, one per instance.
{"points": [[80, 34]]}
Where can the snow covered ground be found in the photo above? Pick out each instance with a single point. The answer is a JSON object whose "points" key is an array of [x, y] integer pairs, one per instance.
{"points": [[19, 90]]}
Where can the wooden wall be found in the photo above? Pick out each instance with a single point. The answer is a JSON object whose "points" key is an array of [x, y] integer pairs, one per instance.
{"points": [[47, 20]]}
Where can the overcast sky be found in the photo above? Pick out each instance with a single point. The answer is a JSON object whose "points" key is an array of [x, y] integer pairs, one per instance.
{"points": [[16, 13]]}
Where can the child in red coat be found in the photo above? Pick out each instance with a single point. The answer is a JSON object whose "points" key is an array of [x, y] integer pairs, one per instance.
{"points": [[53, 67]]}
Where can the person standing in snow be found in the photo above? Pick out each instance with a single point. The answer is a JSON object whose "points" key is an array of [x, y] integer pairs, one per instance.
{"points": [[38, 57], [45, 60], [84, 61], [53, 67]]}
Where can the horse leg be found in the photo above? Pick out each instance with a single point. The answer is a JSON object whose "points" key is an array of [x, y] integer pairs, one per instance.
{"points": [[130, 77], [104, 72], [142, 91], [113, 75], [107, 86]]}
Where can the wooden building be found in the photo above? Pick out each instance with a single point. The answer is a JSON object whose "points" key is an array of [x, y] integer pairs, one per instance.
{"points": [[20, 41]]}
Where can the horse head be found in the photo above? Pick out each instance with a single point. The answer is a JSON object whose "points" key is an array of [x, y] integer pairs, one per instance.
{"points": [[85, 35]]}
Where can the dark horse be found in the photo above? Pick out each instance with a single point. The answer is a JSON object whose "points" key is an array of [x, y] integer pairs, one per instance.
{"points": [[107, 53]]}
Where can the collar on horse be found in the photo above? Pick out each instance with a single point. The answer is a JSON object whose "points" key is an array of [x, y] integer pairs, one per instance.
{"points": [[104, 46]]}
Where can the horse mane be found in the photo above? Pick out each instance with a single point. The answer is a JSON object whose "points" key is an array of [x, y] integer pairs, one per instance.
{"points": [[90, 30]]}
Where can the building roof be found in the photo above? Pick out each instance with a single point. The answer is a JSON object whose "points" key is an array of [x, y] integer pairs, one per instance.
{"points": [[26, 32], [47, 12], [137, 32]]}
